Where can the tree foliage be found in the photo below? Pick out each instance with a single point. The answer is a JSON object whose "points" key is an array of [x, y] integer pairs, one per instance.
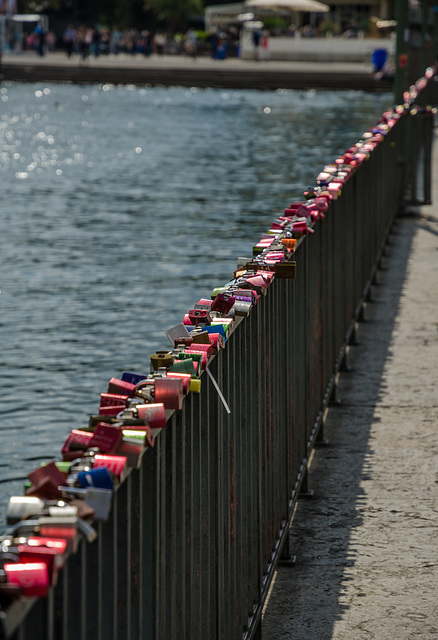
{"points": [[175, 12], [38, 6]]}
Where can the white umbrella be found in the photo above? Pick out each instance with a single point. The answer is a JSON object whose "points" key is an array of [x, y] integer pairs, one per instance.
{"points": [[311, 6]]}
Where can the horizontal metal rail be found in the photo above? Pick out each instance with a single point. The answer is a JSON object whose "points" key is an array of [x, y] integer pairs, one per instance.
{"points": [[196, 532]]}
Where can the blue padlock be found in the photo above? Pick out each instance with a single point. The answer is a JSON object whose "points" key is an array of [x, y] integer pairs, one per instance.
{"points": [[133, 378], [99, 478]]}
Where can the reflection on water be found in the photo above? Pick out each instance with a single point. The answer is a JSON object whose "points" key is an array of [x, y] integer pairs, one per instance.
{"points": [[120, 207]]}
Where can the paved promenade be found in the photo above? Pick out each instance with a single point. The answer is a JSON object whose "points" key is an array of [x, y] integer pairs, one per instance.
{"points": [[185, 71], [366, 544]]}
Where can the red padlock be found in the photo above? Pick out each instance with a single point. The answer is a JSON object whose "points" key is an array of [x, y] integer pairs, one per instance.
{"points": [[112, 403], [216, 340], [57, 544], [120, 387], [199, 316], [204, 355], [32, 578], [184, 377], [106, 438], [169, 391], [50, 557], [153, 414], [117, 465], [223, 303], [75, 445], [45, 482]]}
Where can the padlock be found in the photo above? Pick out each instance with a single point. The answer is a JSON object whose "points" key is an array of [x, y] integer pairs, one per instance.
{"points": [[50, 527], [111, 399], [216, 340], [57, 544], [244, 292], [216, 327], [170, 392], [132, 448], [242, 308], [32, 578], [45, 482], [195, 385], [153, 414], [199, 316], [145, 390], [256, 283], [106, 438], [120, 387], [289, 243], [49, 556], [322, 203], [161, 359], [115, 464], [245, 296], [206, 348], [186, 365], [184, 377], [195, 359], [226, 323], [138, 438], [204, 356], [299, 227], [99, 478], [111, 403], [221, 289], [76, 443], [177, 332], [203, 303], [267, 275], [133, 378], [286, 270], [198, 336], [222, 303], [21, 507], [98, 498], [293, 208]]}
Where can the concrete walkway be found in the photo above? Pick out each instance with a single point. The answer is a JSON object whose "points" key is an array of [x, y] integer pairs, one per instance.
{"points": [[184, 71], [367, 543]]}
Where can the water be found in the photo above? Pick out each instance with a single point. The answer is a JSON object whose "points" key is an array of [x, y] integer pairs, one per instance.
{"points": [[120, 208]]}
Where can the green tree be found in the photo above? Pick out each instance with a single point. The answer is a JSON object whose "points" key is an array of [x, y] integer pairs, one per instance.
{"points": [[38, 6], [175, 12]]}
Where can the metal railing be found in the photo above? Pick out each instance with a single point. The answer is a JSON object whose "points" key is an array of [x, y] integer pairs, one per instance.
{"points": [[195, 533]]}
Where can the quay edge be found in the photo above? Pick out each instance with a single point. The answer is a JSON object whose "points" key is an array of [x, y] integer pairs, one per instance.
{"points": [[268, 77]]}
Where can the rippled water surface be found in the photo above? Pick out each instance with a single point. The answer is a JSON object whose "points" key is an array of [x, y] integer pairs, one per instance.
{"points": [[120, 207]]}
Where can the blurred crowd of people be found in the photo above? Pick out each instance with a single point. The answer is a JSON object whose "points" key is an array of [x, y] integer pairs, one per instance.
{"points": [[93, 42]]}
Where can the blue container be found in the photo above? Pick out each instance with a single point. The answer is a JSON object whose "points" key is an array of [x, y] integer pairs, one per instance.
{"points": [[379, 58]]}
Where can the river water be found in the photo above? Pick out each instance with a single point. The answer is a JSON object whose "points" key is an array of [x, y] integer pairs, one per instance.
{"points": [[120, 208]]}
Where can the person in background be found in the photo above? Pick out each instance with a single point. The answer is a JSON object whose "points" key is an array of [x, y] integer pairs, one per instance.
{"points": [[214, 40], [351, 31], [40, 40], [191, 43], [159, 43], [256, 36], [264, 45], [69, 40]]}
